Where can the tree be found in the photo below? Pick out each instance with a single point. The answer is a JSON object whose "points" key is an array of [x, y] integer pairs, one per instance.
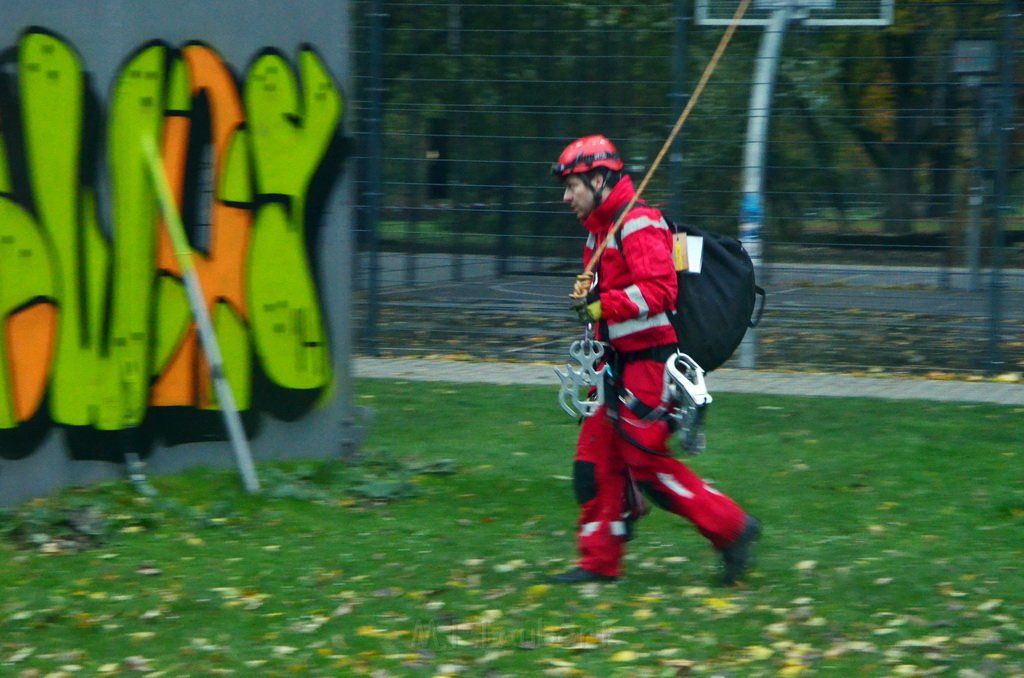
{"points": [[894, 94]]}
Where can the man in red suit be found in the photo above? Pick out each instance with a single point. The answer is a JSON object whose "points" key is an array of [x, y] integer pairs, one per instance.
{"points": [[628, 300]]}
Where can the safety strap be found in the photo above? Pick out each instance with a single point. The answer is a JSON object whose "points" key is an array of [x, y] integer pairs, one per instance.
{"points": [[617, 395], [634, 442], [657, 353], [615, 220]]}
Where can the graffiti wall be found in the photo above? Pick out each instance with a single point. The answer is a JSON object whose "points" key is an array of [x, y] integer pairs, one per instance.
{"points": [[99, 353]]}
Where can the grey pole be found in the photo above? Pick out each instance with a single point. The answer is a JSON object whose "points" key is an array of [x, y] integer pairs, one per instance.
{"points": [[201, 315], [752, 207]]}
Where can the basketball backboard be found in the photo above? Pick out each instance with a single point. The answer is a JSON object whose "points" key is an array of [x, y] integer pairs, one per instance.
{"points": [[809, 12]]}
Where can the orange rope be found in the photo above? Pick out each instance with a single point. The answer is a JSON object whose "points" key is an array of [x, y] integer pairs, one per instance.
{"points": [[708, 70]]}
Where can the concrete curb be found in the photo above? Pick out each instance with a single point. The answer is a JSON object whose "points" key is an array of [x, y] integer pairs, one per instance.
{"points": [[720, 381]]}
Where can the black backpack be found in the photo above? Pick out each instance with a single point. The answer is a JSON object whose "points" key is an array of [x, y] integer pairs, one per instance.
{"points": [[716, 306]]}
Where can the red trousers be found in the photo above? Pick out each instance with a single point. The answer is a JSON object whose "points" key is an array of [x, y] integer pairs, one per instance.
{"points": [[603, 455]]}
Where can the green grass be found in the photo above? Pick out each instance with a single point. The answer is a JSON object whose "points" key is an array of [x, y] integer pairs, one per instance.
{"points": [[894, 533]]}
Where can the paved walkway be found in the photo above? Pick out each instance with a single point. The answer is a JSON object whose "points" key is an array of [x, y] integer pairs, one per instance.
{"points": [[720, 381]]}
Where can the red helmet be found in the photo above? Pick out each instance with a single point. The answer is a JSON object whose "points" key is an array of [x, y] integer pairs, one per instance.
{"points": [[586, 154]]}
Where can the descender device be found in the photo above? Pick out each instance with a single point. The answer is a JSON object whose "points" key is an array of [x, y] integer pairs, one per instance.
{"points": [[582, 392], [684, 401]]}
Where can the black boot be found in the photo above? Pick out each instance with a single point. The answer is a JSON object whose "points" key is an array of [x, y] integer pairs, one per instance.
{"points": [[736, 556], [578, 575]]}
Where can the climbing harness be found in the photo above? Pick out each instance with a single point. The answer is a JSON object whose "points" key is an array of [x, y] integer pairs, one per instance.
{"points": [[684, 405], [684, 402], [582, 391], [684, 394]]}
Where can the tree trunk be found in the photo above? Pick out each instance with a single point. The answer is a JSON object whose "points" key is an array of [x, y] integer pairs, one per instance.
{"points": [[901, 194]]}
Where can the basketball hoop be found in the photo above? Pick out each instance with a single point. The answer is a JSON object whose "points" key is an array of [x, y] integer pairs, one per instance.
{"points": [[809, 12]]}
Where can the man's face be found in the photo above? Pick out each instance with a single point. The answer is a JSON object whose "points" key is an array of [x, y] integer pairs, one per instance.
{"points": [[578, 195]]}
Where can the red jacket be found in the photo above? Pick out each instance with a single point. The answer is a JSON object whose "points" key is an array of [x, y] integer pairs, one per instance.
{"points": [[637, 282]]}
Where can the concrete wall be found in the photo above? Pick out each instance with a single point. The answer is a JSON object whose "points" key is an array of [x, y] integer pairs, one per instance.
{"points": [[98, 350]]}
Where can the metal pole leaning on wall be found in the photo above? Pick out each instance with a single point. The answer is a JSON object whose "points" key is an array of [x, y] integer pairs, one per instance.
{"points": [[752, 206], [207, 337]]}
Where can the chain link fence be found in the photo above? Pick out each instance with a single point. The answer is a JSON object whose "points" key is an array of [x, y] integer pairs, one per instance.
{"points": [[892, 237]]}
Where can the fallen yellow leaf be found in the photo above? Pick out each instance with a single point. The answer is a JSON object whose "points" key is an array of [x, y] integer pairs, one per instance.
{"points": [[368, 631], [759, 652], [538, 590], [719, 603]]}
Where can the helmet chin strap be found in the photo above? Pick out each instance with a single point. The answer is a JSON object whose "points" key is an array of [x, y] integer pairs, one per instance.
{"points": [[596, 193], [610, 179]]}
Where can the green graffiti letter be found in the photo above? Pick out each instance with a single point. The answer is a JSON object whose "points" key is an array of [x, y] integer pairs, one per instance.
{"points": [[290, 129], [52, 92], [137, 112]]}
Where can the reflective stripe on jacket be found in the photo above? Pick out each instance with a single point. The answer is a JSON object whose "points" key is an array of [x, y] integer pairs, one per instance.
{"points": [[636, 276]]}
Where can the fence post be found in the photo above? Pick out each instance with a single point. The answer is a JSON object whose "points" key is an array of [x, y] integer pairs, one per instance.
{"points": [[373, 146], [679, 98], [503, 245], [1004, 113]]}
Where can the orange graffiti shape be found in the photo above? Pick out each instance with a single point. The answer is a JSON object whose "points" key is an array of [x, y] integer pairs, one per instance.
{"points": [[186, 381], [31, 335]]}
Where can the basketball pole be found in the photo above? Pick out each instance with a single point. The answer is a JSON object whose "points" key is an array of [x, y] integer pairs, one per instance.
{"points": [[752, 201], [207, 337]]}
